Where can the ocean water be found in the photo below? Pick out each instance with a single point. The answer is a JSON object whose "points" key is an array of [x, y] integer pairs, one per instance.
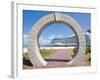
{"points": [[57, 46], [50, 47]]}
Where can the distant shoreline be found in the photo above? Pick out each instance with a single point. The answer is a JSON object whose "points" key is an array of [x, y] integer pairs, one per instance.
{"points": [[57, 47], [25, 49]]}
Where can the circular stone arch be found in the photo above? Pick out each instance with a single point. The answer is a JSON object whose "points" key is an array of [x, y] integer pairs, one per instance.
{"points": [[33, 47]]}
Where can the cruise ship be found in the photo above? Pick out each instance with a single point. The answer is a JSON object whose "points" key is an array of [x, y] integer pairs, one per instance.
{"points": [[71, 41]]}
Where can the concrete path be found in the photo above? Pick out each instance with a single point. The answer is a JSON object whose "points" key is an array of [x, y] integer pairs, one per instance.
{"points": [[59, 59]]}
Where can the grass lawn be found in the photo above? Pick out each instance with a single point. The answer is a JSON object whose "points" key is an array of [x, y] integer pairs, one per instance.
{"points": [[46, 52]]}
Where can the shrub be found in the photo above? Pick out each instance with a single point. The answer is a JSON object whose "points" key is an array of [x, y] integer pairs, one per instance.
{"points": [[25, 56], [74, 50], [88, 50], [26, 60]]}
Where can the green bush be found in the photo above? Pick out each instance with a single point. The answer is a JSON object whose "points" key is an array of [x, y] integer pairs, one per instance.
{"points": [[25, 56], [88, 50], [88, 54], [74, 50], [26, 61]]}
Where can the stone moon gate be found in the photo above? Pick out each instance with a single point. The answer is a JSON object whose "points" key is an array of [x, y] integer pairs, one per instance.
{"points": [[33, 45]]}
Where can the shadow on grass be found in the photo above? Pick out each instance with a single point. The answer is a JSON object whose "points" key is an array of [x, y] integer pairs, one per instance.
{"points": [[57, 60], [27, 62]]}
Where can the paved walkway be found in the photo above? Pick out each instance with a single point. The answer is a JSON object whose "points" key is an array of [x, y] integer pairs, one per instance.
{"points": [[59, 59]]}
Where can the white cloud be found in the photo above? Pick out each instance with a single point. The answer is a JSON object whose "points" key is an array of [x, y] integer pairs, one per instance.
{"points": [[25, 39], [47, 40], [60, 36], [51, 37], [44, 41], [72, 35]]}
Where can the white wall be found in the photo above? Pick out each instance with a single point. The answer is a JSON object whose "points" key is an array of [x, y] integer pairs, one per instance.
{"points": [[5, 39]]}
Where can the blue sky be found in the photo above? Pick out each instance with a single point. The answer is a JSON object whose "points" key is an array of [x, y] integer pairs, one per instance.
{"points": [[30, 17]]}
